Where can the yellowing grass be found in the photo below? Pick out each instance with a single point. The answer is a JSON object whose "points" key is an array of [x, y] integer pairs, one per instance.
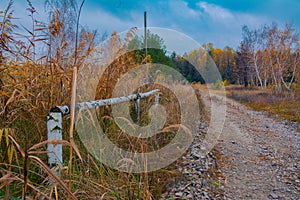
{"points": [[285, 103]]}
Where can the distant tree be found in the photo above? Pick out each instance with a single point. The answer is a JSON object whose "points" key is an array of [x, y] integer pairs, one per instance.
{"points": [[271, 55], [225, 60], [284, 46], [252, 41], [156, 50], [242, 66], [203, 63], [188, 70], [173, 55]]}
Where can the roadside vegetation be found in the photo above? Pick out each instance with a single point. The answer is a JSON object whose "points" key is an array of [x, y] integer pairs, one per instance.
{"points": [[31, 82], [37, 64], [285, 104], [264, 72]]}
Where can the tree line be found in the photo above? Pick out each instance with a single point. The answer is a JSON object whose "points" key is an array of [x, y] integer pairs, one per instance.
{"points": [[268, 56], [271, 56]]}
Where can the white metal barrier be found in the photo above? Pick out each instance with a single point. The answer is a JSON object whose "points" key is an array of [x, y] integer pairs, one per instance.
{"points": [[54, 121]]}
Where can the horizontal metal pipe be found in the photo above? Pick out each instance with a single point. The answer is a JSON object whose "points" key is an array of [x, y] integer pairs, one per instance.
{"points": [[65, 110]]}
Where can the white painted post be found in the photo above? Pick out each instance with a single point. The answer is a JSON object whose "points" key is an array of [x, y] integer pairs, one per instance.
{"points": [[156, 99], [54, 127], [138, 105]]}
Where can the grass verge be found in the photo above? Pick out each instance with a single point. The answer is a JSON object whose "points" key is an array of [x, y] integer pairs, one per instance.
{"points": [[285, 103]]}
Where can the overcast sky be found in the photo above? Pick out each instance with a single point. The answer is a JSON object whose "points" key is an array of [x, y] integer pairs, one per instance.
{"points": [[216, 21]]}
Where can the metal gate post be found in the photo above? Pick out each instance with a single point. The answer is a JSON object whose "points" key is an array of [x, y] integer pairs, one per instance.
{"points": [[54, 122]]}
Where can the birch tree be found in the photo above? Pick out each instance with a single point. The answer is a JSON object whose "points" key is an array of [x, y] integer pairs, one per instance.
{"points": [[272, 54]]}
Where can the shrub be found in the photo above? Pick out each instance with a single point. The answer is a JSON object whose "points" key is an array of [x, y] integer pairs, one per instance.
{"points": [[218, 84]]}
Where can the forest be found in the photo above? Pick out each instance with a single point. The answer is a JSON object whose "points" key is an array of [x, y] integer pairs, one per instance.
{"points": [[37, 68]]}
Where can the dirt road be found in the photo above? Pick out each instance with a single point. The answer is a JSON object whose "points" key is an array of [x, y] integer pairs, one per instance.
{"points": [[261, 156], [256, 157]]}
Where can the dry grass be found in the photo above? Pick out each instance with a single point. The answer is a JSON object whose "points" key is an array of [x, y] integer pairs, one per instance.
{"points": [[285, 103], [23, 147], [31, 84]]}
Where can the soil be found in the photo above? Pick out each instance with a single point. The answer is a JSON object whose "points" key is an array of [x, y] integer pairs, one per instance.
{"points": [[257, 156]]}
